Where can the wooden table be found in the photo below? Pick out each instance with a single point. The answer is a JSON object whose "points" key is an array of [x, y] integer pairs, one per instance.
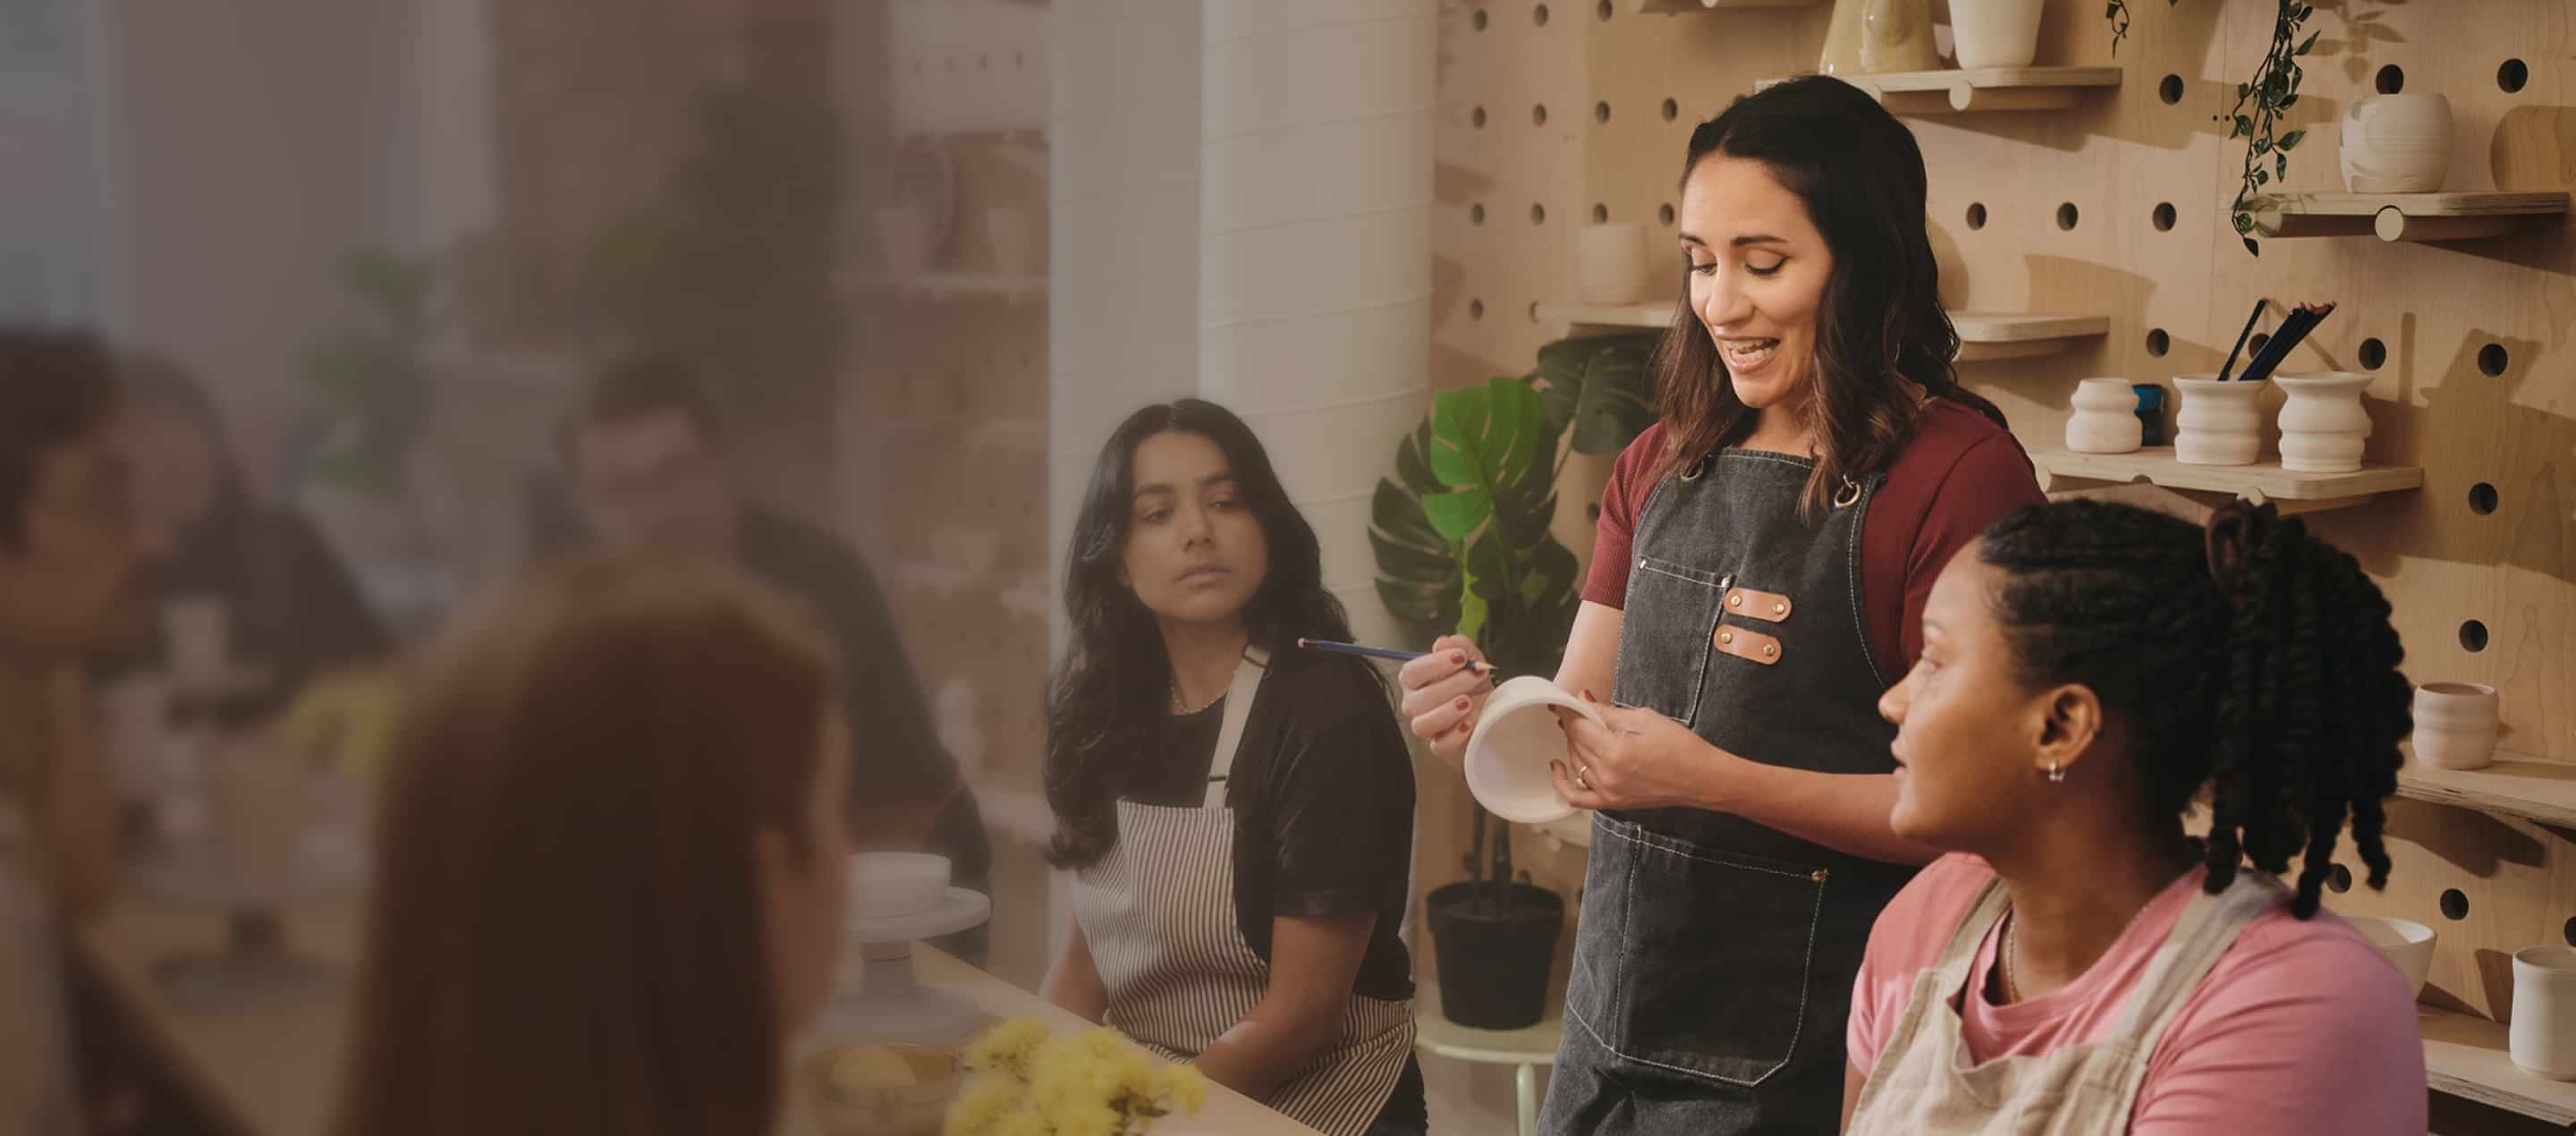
{"points": [[275, 1071]]}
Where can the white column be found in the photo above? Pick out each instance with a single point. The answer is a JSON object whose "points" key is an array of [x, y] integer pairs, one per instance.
{"points": [[1315, 250], [1122, 125]]}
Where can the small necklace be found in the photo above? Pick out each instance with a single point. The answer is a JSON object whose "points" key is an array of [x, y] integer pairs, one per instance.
{"points": [[1183, 708], [2012, 923]]}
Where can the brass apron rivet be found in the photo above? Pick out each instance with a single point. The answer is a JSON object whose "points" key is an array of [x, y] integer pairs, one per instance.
{"points": [[1726, 637], [1779, 609], [1768, 650], [1735, 601]]}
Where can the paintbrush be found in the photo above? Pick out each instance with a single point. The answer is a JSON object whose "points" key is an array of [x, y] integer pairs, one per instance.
{"points": [[2232, 352], [2292, 330]]}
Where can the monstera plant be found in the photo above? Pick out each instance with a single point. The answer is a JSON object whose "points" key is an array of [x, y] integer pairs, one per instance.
{"points": [[1461, 529]]}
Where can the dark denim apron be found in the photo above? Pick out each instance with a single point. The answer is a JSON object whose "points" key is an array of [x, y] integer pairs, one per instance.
{"points": [[1713, 965]]}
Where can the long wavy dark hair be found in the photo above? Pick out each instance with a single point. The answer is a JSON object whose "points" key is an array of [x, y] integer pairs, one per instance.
{"points": [[1108, 698], [2248, 656], [1860, 175]]}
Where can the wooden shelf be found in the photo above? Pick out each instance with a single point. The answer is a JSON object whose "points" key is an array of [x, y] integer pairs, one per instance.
{"points": [[1982, 335], [1679, 6], [2295, 492], [2401, 216], [2466, 1057], [1980, 88], [2515, 785]]}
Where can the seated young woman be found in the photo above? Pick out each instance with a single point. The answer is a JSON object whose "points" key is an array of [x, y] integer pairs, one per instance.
{"points": [[1238, 812], [609, 877], [2078, 963]]}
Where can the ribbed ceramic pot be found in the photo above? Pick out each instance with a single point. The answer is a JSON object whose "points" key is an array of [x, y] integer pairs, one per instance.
{"points": [[2105, 419], [2323, 425], [1995, 33], [2395, 143], [2219, 423], [2457, 724]]}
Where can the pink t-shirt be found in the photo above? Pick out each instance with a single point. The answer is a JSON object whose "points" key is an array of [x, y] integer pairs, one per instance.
{"points": [[2302, 1026]]}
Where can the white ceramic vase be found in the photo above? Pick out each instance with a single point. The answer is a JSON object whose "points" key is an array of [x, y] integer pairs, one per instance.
{"points": [[2407, 943], [2395, 143], [1515, 740], [2219, 423], [1610, 263], [2322, 424], [2105, 419], [1995, 33], [2457, 724], [2543, 1036]]}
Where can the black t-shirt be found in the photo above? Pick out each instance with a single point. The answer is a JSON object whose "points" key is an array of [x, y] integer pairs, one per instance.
{"points": [[1322, 793]]}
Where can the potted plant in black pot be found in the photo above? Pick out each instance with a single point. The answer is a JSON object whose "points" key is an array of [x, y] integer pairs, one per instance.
{"points": [[1462, 543]]}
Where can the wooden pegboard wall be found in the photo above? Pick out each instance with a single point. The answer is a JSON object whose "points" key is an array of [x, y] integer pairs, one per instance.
{"points": [[2118, 207]]}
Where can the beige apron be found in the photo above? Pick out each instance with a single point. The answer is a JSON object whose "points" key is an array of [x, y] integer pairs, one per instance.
{"points": [[1926, 1084], [1158, 913]]}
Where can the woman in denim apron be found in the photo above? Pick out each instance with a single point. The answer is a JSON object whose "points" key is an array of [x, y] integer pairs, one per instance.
{"points": [[1741, 848]]}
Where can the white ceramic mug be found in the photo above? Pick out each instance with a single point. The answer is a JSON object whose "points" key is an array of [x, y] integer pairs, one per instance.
{"points": [[1610, 263], [2218, 423], [2543, 1035], [2323, 426], [1995, 33], [888, 884], [2456, 724], [2395, 143], [2105, 419], [1514, 742]]}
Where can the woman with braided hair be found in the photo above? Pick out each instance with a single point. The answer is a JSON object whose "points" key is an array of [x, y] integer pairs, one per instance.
{"points": [[2078, 963]]}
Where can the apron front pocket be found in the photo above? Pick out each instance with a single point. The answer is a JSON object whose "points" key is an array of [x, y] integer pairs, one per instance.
{"points": [[1716, 960], [1663, 658]]}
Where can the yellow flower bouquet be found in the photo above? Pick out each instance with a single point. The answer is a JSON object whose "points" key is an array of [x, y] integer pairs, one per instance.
{"points": [[1028, 1082]]}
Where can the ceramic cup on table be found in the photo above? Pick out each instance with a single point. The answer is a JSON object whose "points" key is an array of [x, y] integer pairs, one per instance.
{"points": [[2323, 425], [2543, 1035], [2457, 724], [1610, 263], [2407, 943], [2220, 423], [1995, 33], [2395, 143], [2105, 419], [1514, 742], [884, 885]]}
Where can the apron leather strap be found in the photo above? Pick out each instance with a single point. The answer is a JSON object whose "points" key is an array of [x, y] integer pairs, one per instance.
{"points": [[1238, 710]]}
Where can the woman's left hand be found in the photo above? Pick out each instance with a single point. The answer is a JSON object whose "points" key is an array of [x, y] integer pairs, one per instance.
{"points": [[1635, 759]]}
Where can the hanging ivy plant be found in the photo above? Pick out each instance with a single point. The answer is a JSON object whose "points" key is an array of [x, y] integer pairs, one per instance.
{"points": [[2274, 88], [2118, 12]]}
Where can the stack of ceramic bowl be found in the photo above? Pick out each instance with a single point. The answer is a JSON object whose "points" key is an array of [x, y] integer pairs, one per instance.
{"points": [[2396, 143]]}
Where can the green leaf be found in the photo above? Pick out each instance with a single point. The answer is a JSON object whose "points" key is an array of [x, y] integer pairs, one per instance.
{"points": [[2262, 145], [2244, 223], [2291, 139], [2243, 90], [2310, 42], [2262, 177], [2253, 248], [2244, 125], [1600, 387], [2285, 103]]}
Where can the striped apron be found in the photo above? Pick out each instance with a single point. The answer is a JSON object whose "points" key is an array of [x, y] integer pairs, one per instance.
{"points": [[1158, 913]]}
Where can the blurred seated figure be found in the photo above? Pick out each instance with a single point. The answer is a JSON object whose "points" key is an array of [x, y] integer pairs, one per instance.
{"points": [[292, 608], [610, 868], [646, 449]]}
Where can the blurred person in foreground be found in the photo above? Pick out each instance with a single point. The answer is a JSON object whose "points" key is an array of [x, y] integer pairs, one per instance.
{"points": [[610, 869], [293, 608], [647, 452], [74, 567]]}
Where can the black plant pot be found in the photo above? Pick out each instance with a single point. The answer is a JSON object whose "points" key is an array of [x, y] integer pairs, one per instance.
{"points": [[1494, 965]]}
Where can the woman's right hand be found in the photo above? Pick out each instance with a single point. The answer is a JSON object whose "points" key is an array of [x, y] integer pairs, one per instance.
{"points": [[1443, 695]]}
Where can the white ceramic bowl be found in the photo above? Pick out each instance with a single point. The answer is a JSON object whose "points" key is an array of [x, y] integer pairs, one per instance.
{"points": [[887, 884], [2407, 943], [1508, 755]]}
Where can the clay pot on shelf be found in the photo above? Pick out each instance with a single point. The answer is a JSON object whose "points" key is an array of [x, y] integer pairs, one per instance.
{"points": [[1995, 33], [2220, 423], [2105, 419], [2322, 424], [2395, 143]]}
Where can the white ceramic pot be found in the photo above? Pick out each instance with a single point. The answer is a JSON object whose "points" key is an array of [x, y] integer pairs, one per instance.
{"points": [[2407, 943], [904, 233], [1995, 33], [2543, 1035], [2395, 143], [884, 885], [1610, 263], [1018, 234], [2322, 424], [2457, 724], [2105, 419], [1515, 740], [2218, 423]]}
